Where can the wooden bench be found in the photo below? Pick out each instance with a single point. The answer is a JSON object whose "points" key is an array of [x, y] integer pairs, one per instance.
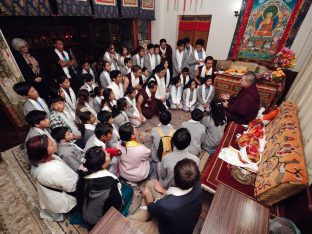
{"points": [[112, 223], [233, 212]]}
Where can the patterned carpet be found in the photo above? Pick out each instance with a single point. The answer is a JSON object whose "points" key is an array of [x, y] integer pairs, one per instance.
{"points": [[19, 209]]}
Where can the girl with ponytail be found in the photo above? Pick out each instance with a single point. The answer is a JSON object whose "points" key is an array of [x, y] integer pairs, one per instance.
{"points": [[98, 189], [119, 113], [134, 161], [109, 100], [215, 124], [83, 103]]}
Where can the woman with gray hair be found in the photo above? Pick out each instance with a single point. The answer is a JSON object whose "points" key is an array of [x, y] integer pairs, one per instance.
{"points": [[30, 67]]}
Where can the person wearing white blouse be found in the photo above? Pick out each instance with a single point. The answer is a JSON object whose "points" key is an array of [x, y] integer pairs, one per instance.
{"points": [[176, 94], [54, 189]]}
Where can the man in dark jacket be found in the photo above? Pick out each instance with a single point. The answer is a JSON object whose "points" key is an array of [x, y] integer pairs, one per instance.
{"points": [[175, 210], [245, 105]]}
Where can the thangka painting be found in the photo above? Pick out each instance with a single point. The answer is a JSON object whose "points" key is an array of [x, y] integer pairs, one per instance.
{"points": [[10, 75], [130, 3], [148, 4], [264, 27], [106, 2]]}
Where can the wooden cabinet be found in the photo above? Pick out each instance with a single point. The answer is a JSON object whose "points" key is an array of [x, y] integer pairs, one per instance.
{"points": [[269, 91]]}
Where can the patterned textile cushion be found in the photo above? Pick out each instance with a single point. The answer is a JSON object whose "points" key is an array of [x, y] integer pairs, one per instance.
{"points": [[282, 170]]}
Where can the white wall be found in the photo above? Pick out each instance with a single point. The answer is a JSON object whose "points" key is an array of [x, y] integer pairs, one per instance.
{"points": [[302, 44], [223, 24]]}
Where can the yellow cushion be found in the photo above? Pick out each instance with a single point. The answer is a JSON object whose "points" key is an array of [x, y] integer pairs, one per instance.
{"points": [[282, 170]]}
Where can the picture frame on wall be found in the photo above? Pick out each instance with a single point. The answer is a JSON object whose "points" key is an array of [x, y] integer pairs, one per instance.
{"points": [[144, 43]]}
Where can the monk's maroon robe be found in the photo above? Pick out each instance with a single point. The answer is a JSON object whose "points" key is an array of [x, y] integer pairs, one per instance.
{"points": [[244, 106]]}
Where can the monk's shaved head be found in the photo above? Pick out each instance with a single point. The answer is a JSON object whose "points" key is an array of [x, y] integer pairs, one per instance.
{"points": [[250, 77]]}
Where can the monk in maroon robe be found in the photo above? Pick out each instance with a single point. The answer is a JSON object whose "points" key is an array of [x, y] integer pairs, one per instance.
{"points": [[146, 101], [245, 105]]}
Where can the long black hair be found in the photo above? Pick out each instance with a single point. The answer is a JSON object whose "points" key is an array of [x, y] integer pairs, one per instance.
{"points": [[217, 113], [106, 93], [121, 104], [96, 92], [125, 132], [189, 84], [94, 160], [84, 116], [157, 69]]}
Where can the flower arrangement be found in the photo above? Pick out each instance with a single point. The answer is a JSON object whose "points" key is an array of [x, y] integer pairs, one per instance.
{"points": [[278, 75], [285, 59]]}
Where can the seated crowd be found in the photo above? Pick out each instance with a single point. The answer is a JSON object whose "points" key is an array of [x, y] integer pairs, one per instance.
{"points": [[83, 147]]}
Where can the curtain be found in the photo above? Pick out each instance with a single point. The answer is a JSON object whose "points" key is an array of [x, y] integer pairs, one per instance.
{"points": [[195, 28], [147, 9], [74, 8], [300, 93], [129, 8], [25, 8], [107, 9]]}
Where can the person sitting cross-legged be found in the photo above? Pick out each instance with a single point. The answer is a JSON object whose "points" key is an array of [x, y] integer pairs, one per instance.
{"points": [[98, 189], [175, 210], [181, 140]]}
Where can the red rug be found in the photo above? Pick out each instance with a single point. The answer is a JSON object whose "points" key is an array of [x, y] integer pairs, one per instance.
{"points": [[218, 171]]}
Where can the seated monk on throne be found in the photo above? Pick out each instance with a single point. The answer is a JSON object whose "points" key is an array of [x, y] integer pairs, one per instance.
{"points": [[265, 26], [243, 107]]}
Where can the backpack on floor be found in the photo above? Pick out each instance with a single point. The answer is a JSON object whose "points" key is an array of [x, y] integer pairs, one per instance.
{"points": [[165, 145]]}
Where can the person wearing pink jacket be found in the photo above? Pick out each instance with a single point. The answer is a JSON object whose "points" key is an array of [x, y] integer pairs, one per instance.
{"points": [[134, 161]]}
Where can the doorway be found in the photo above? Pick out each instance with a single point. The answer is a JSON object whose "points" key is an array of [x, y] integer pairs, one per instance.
{"points": [[195, 27]]}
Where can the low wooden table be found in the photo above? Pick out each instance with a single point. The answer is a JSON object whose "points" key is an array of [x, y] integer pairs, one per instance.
{"points": [[112, 223], [269, 91], [232, 212]]}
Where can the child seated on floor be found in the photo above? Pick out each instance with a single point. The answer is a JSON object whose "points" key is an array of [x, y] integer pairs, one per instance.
{"points": [[215, 124], [119, 83], [53, 188], [97, 98], [103, 133], [119, 113], [83, 104], [33, 101], [98, 189], [164, 129], [105, 79], [134, 115], [66, 149], [88, 83], [61, 117], [184, 76], [134, 163], [181, 139], [189, 97], [175, 210], [88, 123], [205, 94], [39, 122], [109, 100], [197, 131], [175, 97], [145, 74], [107, 117], [69, 94]]}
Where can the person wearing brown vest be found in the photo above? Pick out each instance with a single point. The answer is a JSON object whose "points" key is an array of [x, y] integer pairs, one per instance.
{"points": [[208, 69]]}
